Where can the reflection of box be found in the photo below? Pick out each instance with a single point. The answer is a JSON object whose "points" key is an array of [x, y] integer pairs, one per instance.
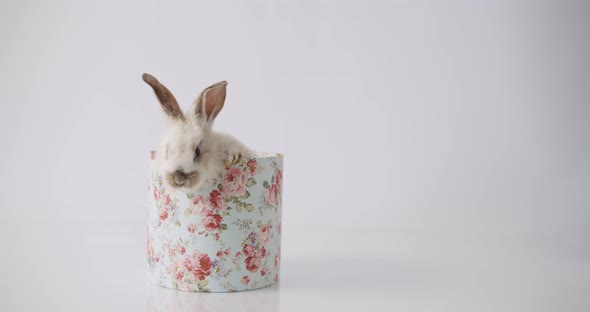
{"points": [[164, 300], [226, 237]]}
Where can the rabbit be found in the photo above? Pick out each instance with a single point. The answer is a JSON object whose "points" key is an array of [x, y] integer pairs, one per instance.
{"points": [[191, 154]]}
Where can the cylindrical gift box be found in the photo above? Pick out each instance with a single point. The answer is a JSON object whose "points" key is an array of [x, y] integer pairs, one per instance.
{"points": [[224, 237]]}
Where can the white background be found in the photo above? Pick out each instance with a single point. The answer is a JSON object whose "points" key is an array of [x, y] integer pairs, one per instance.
{"points": [[437, 154]]}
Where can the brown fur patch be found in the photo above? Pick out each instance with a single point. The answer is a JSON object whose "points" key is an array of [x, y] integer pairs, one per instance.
{"points": [[190, 181], [167, 100], [170, 180]]}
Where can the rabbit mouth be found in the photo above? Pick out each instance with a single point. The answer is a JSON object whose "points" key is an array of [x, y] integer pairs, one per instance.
{"points": [[179, 179]]}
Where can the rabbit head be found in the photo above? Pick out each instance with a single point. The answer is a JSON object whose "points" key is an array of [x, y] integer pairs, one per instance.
{"points": [[188, 153]]}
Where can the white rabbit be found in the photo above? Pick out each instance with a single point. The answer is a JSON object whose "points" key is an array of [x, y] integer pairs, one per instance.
{"points": [[191, 153]]}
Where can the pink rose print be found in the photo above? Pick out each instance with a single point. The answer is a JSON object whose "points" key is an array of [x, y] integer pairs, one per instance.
{"points": [[248, 250], [212, 222], [261, 252], [279, 177], [179, 275], [167, 199], [157, 194], [245, 280], [253, 257], [223, 253], [277, 258], [252, 166], [192, 228], [272, 197], [234, 182], [252, 264], [264, 271], [172, 250], [264, 234], [199, 205], [163, 213], [177, 270], [199, 264], [217, 200]]}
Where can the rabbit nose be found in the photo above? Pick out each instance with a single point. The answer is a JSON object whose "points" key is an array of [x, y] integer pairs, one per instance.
{"points": [[179, 178]]}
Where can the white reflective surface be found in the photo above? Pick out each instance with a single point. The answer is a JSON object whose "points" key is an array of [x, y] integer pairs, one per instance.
{"points": [[163, 299], [327, 270]]}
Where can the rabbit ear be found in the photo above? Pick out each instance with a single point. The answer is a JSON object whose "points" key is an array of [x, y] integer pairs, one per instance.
{"points": [[211, 101], [167, 100]]}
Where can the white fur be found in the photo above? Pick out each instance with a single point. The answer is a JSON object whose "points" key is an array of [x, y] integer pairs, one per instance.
{"points": [[177, 148]]}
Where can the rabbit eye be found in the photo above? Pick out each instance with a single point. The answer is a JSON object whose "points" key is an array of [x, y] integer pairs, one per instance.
{"points": [[197, 152]]}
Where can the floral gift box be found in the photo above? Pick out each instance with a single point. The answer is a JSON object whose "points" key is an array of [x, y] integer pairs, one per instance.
{"points": [[224, 237]]}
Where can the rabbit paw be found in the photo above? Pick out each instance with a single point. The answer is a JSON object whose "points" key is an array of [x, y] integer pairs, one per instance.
{"points": [[234, 156]]}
